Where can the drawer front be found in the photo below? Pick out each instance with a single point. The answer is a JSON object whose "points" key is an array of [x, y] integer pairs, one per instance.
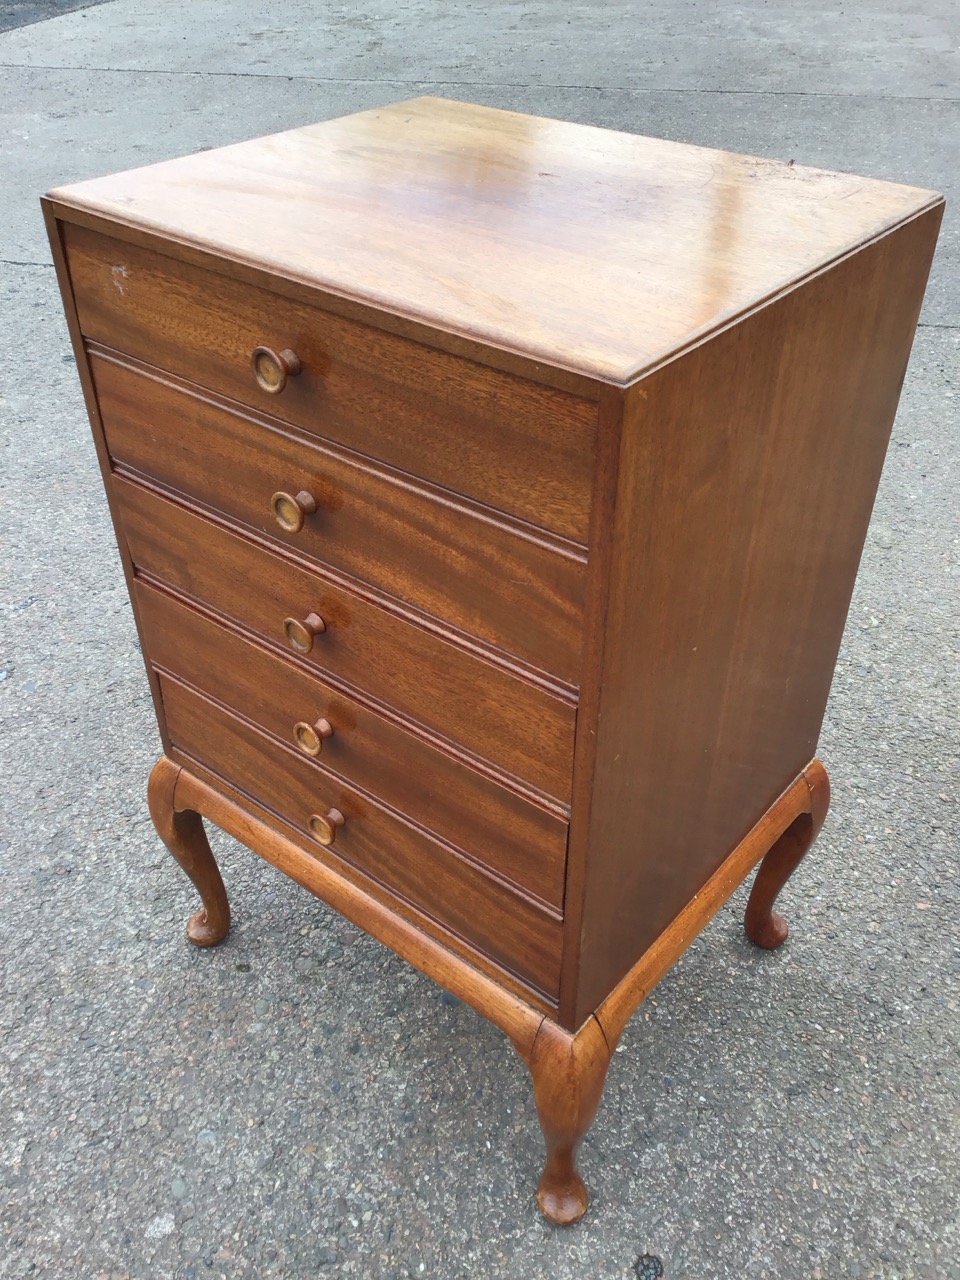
{"points": [[517, 839], [509, 590], [518, 725], [519, 447], [430, 875]]}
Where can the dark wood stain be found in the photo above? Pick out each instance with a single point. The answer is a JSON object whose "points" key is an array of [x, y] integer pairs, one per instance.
{"points": [[520, 726], [513, 591], [508, 926], [467, 427], [490, 493], [516, 838], [748, 473]]}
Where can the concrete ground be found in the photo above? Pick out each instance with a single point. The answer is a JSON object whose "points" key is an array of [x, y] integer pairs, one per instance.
{"points": [[300, 1103]]}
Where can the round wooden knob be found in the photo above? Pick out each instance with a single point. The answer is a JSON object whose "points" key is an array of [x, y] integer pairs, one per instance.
{"points": [[272, 369], [309, 737], [300, 634], [289, 512], [324, 827]]}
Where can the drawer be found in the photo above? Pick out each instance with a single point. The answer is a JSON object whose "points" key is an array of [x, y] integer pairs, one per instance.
{"points": [[515, 838], [430, 875], [506, 588], [517, 446], [521, 726]]}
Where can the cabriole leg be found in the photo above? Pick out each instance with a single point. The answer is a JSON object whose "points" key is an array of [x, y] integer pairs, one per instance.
{"points": [[764, 926], [568, 1077], [184, 836]]}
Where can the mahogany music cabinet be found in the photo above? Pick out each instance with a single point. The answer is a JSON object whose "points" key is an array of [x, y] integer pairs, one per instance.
{"points": [[490, 492]]}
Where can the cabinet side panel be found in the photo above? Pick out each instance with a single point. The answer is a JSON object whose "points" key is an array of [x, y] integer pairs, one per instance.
{"points": [[748, 471]]}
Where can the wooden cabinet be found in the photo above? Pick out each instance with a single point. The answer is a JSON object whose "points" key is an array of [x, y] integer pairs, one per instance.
{"points": [[491, 492]]}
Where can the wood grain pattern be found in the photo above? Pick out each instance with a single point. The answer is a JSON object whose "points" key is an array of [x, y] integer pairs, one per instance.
{"points": [[764, 926], [568, 1073], [364, 646], [184, 836], [528, 437], [581, 247], [54, 234], [519, 840], [442, 556], [752, 462], [579, 385], [803, 797], [568, 1068], [511, 928], [485, 988], [598, 607], [461, 424]]}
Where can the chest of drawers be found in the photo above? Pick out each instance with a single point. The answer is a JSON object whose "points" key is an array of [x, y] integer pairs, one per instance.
{"points": [[490, 492]]}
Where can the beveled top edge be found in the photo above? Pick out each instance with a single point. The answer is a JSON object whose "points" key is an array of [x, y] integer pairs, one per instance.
{"points": [[519, 364], [430, 211]]}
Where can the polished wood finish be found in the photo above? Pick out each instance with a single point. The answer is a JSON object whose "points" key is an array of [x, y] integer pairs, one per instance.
{"points": [[568, 1077], [520, 933], [805, 796], [454, 422], [491, 493], [367, 646], [365, 903], [764, 926], [568, 1068], [504, 585], [523, 841], [301, 632], [184, 836], [574, 246], [752, 461]]}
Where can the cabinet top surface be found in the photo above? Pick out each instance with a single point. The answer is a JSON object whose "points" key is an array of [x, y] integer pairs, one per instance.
{"points": [[592, 250]]}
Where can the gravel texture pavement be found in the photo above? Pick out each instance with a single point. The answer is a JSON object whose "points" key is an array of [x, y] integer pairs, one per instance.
{"points": [[299, 1102]]}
